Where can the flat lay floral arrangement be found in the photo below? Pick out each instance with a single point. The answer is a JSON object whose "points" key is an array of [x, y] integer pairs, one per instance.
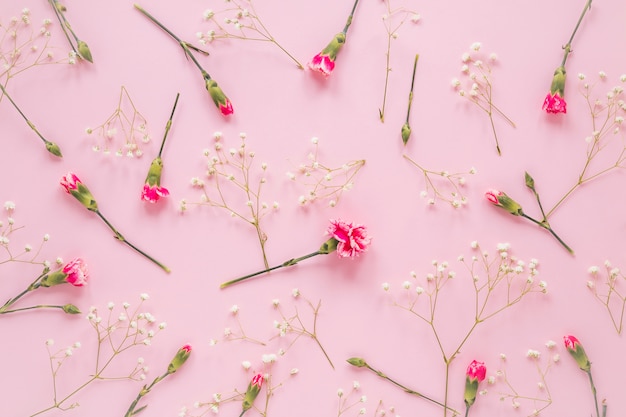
{"points": [[375, 208]]}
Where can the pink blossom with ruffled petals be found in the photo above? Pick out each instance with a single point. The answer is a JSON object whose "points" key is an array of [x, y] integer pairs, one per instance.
{"points": [[554, 103], [70, 182], [352, 238], [322, 63], [153, 193], [476, 371], [76, 272]]}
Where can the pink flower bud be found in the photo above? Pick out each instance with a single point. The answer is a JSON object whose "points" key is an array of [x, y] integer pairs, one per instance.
{"points": [[70, 182], [254, 387], [474, 375], [573, 346], [500, 199], [179, 359], [74, 186]]}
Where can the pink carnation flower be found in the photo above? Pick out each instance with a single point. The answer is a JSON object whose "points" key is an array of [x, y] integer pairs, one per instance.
{"points": [[226, 108], [76, 272], [476, 371], [322, 63], [70, 182], [352, 238], [153, 193], [554, 103]]}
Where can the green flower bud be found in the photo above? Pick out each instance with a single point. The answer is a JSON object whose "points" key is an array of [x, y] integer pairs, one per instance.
{"points": [[54, 149], [254, 387], [71, 309], [358, 362], [181, 357], [578, 352], [84, 52], [406, 133], [500, 199]]}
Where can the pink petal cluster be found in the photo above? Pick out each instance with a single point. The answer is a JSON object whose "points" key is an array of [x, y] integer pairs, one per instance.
{"points": [[153, 193], [70, 182], [571, 342], [76, 272], [186, 348], [476, 371], [492, 196], [257, 380], [226, 108], [322, 63], [352, 238], [554, 103]]}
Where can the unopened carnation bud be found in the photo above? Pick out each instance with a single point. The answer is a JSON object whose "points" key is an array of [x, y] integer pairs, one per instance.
{"points": [[358, 362], [254, 387], [84, 52], [500, 199], [181, 357], [71, 309], [578, 353], [474, 375], [54, 149], [405, 133]]}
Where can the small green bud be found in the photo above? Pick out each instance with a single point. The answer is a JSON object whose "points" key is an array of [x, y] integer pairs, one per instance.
{"points": [[500, 199], [84, 52], [358, 362], [54, 149], [530, 182], [71, 309], [181, 357], [406, 133]]}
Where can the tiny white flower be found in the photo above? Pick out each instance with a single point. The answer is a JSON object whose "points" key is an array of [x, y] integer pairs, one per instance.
{"points": [[293, 371], [550, 344], [406, 285], [246, 365], [144, 296], [602, 74], [476, 46], [415, 17], [385, 286]]}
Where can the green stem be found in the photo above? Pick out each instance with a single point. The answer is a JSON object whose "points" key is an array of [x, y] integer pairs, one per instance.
{"points": [[144, 391], [568, 45], [29, 308], [546, 225], [290, 262], [64, 24], [408, 390], [33, 286], [30, 124], [595, 395], [408, 112], [349, 21], [467, 407], [182, 43], [121, 238], [168, 125]]}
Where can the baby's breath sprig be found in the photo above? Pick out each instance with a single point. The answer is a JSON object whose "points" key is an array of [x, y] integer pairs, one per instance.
{"points": [[240, 334], [293, 323], [80, 47], [499, 282], [607, 119], [246, 24], [22, 46], [611, 293], [234, 166], [115, 334], [478, 89], [28, 254], [344, 403], [132, 124], [393, 19], [51, 147], [324, 182], [543, 364], [220, 99], [454, 182]]}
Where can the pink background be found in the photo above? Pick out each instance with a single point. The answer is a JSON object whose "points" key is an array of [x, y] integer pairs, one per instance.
{"points": [[280, 108]]}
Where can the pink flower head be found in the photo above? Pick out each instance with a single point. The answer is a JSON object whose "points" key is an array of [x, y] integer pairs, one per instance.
{"points": [[186, 348], [257, 380], [352, 239], [323, 64], [70, 182], [554, 103], [500, 199], [476, 371], [226, 108], [76, 272], [153, 193]]}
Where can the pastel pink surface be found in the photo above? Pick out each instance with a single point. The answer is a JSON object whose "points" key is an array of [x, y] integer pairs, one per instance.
{"points": [[280, 108]]}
